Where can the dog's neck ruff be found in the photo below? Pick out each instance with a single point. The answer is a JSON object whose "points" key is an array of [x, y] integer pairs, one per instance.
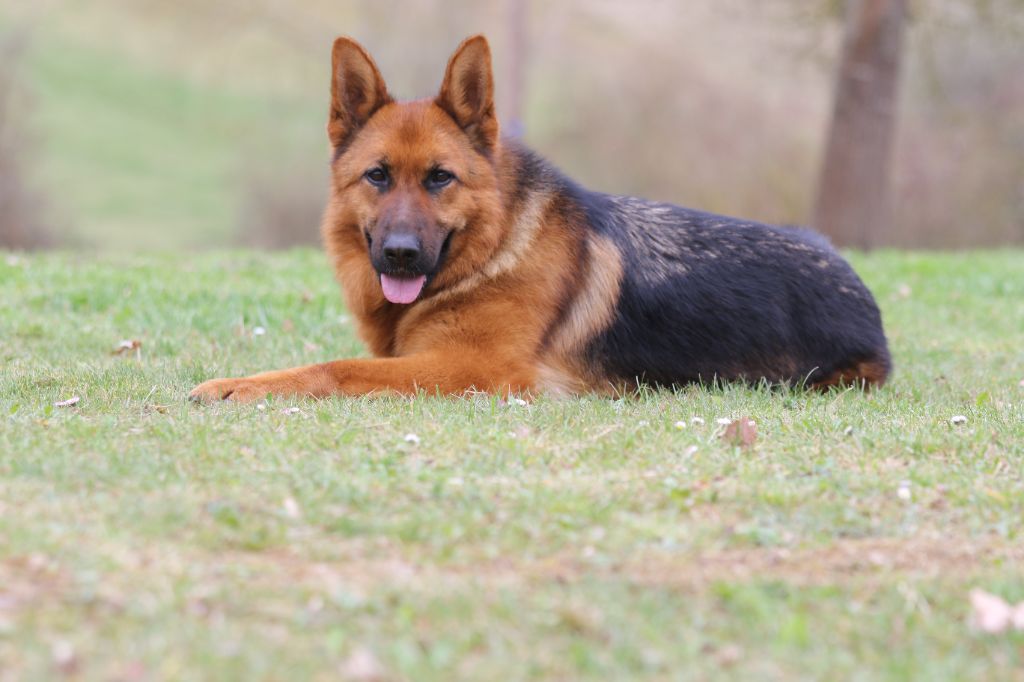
{"points": [[520, 239]]}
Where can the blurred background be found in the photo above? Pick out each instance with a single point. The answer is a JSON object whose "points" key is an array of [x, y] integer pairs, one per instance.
{"points": [[140, 125]]}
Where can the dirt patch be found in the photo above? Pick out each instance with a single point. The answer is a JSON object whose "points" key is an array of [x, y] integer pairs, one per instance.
{"points": [[359, 568], [860, 559], [27, 581]]}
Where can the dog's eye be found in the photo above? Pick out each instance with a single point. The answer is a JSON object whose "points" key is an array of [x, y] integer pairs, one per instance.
{"points": [[438, 178], [377, 176]]}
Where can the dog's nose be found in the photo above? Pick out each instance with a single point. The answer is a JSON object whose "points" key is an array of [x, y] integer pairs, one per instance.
{"points": [[401, 250]]}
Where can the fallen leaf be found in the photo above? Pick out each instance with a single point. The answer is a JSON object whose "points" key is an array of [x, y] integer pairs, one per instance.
{"points": [[127, 346], [70, 402], [291, 508], [993, 614], [64, 657], [363, 666], [729, 655], [741, 432], [132, 671]]}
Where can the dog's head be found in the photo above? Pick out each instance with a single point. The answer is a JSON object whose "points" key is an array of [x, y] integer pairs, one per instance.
{"points": [[414, 184]]}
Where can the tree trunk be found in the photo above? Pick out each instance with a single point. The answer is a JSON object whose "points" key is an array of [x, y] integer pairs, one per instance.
{"points": [[853, 202]]}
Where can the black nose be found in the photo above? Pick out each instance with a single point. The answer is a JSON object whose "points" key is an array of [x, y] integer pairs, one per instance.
{"points": [[401, 250]]}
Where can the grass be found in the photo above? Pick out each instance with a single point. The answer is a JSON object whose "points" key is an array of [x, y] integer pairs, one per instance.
{"points": [[142, 537]]}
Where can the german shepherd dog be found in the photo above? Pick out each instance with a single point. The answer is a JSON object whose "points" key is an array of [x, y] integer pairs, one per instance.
{"points": [[470, 263]]}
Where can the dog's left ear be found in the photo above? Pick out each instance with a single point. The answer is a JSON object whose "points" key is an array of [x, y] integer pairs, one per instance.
{"points": [[357, 90], [467, 93]]}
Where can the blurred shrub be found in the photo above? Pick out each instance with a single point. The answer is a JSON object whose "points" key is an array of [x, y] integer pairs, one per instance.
{"points": [[21, 206], [282, 200], [959, 169], [716, 104]]}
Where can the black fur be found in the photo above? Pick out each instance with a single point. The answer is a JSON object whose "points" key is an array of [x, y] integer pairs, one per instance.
{"points": [[705, 297]]}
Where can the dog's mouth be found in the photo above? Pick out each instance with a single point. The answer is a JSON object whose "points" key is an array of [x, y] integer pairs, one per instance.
{"points": [[404, 287]]}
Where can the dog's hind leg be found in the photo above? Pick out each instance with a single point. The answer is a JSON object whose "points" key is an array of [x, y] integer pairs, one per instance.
{"points": [[866, 374]]}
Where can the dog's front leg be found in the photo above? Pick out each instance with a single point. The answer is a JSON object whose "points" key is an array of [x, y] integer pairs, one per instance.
{"points": [[447, 373]]}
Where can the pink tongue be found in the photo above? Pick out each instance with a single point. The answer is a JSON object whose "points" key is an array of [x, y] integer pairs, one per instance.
{"points": [[402, 289]]}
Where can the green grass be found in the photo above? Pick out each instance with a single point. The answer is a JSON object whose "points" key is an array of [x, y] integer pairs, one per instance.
{"points": [[142, 537]]}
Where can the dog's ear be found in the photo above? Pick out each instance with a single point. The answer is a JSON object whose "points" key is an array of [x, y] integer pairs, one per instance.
{"points": [[467, 93], [357, 90]]}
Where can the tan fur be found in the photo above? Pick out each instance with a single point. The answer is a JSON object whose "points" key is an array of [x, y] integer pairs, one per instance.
{"points": [[591, 312], [864, 374], [520, 239]]}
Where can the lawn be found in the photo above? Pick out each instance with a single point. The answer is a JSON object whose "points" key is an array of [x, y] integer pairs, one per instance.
{"points": [[143, 537]]}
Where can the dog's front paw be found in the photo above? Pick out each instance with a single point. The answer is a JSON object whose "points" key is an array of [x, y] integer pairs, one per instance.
{"points": [[237, 390]]}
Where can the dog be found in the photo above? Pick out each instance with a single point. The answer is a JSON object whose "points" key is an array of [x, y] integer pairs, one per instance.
{"points": [[472, 264]]}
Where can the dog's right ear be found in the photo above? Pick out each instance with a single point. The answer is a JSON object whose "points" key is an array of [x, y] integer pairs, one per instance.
{"points": [[357, 90], [467, 92]]}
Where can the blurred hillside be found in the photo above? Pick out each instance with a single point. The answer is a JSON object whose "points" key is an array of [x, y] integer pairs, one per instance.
{"points": [[189, 124]]}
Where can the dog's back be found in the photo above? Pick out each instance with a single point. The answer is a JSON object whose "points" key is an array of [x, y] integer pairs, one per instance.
{"points": [[704, 297]]}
